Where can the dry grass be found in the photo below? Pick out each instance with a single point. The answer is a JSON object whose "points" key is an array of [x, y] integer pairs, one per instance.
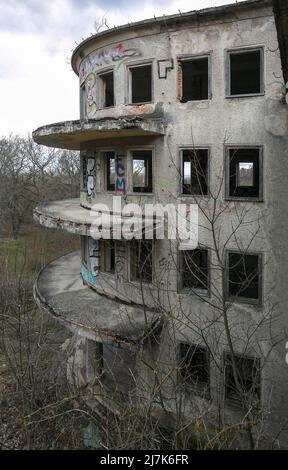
{"points": [[32, 364]]}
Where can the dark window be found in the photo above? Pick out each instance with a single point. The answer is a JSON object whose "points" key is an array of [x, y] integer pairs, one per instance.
{"points": [[245, 72], [142, 171], [94, 361], [141, 260], [108, 256], [248, 376], [107, 89], [244, 276], [195, 269], [82, 101], [119, 369], [194, 365], [195, 79], [195, 171], [112, 365], [84, 173], [245, 173], [141, 84], [84, 251], [110, 171]]}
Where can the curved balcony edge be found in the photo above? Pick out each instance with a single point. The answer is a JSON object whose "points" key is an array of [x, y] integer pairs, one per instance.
{"points": [[72, 134], [59, 291], [71, 216], [66, 215]]}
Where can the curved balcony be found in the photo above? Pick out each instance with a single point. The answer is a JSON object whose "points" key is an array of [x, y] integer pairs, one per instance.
{"points": [[70, 216], [72, 134], [67, 215], [59, 291]]}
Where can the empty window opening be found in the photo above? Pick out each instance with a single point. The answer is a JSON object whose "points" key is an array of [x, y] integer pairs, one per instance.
{"points": [[245, 173], [141, 84], [84, 251], [244, 276], [119, 368], [108, 256], [111, 366], [248, 377], [107, 89], [195, 171], [195, 79], [110, 171], [82, 101], [194, 366], [94, 356], [141, 266], [142, 171], [194, 269], [245, 72]]}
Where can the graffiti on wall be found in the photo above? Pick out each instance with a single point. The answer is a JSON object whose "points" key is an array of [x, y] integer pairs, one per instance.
{"points": [[106, 56], [87, 276], [91, 263], [91, 107], [120, 182], [89, 166], [94, 256]]}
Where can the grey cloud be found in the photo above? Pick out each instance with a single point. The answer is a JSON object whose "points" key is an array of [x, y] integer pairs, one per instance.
{"points": [[108, 4], [34, 16]]}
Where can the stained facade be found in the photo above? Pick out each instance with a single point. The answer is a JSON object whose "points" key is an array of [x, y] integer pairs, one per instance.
{"points": [[190, 108]]}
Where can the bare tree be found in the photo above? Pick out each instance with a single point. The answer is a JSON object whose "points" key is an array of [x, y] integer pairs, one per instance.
{"points": [[30, 173]]}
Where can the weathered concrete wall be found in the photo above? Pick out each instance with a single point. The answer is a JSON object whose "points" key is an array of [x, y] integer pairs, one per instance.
{"points": [[261, 120], [256, 121]]}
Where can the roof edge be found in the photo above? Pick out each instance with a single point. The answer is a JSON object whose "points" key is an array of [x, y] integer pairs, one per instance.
{"points": [[167, 19]]}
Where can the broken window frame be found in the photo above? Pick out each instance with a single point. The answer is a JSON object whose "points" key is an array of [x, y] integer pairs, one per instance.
{"points": [[205, 193], [94, 362], [134, 266], [105, 245], [82, 101], [83, 171], [148, 189], [84, 251], [102, 362], [200, 387], [227, 150], [234, 399], [102, 89], [129, 82], [191, 58], [228, 71], [241, 299], [190, 290], [106, 157]]}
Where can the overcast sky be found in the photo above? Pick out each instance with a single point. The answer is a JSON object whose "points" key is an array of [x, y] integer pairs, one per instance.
{"points": [[37, 37]]}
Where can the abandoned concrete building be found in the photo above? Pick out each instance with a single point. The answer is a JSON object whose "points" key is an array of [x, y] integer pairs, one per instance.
{"points": [[189, 109]]}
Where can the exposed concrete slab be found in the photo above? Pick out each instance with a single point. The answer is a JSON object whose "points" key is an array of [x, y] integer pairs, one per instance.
{"points": [[59, 290], [71, 134], [68, 215]]}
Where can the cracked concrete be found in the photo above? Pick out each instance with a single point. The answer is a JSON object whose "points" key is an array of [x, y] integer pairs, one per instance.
{"points": [[60, 291], [71, 134]]}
